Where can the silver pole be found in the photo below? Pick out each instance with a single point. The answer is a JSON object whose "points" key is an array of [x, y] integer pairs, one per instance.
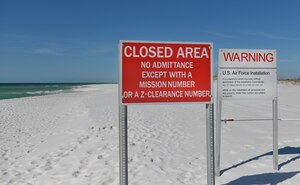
{"points": [[275, 134], [266, 119], [218, 128], [123, 160], [210, 144], [218, 137]]}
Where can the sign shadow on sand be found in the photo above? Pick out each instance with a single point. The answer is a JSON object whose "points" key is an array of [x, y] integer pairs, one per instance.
{"points": [[282, 151], [267, 178]]}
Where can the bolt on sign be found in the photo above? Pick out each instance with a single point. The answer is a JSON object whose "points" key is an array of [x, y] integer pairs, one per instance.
{"points": [[165, 72], [247, 74]]}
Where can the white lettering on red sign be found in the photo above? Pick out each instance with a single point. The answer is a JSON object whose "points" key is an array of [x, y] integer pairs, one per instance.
{"points": [[164, 52], [165, 72]]}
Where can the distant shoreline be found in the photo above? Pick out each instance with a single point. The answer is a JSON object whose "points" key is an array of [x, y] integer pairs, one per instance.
{"points": [[21, 90], [291, 81]]}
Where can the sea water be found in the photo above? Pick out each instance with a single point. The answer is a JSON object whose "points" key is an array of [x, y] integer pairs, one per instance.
{"points": [[8, 91]]}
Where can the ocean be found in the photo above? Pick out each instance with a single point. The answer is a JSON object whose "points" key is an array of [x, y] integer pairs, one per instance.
{"points": [[8, 91]]}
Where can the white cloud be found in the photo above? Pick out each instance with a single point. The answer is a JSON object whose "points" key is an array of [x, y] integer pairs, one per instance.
{"points": [[292, 59], [271, 36], [103, 49], [51, 46], [222, 35], [43, 51]]}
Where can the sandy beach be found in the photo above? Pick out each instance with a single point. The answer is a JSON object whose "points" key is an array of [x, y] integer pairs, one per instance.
{"points": [[72, 139]]}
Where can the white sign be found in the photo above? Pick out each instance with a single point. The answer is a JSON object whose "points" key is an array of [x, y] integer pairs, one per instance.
{"points": [[247, 74]]}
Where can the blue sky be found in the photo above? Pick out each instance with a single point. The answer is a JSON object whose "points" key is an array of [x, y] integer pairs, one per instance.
{"points": [[77, 41]]}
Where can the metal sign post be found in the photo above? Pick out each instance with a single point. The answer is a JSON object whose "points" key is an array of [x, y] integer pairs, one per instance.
{"points": [[275, 134], [218, 137], [210, 143], [123, 145]]}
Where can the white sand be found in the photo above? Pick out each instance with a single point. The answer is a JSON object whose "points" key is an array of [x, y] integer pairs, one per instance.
{"points": [[72, 138]]}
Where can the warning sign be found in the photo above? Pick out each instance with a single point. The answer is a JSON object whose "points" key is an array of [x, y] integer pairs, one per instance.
{"points": [[247, 74], [165, 72]]}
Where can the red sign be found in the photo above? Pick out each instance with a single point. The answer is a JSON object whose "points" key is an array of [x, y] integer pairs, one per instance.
{"points": [[165, 72]]}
